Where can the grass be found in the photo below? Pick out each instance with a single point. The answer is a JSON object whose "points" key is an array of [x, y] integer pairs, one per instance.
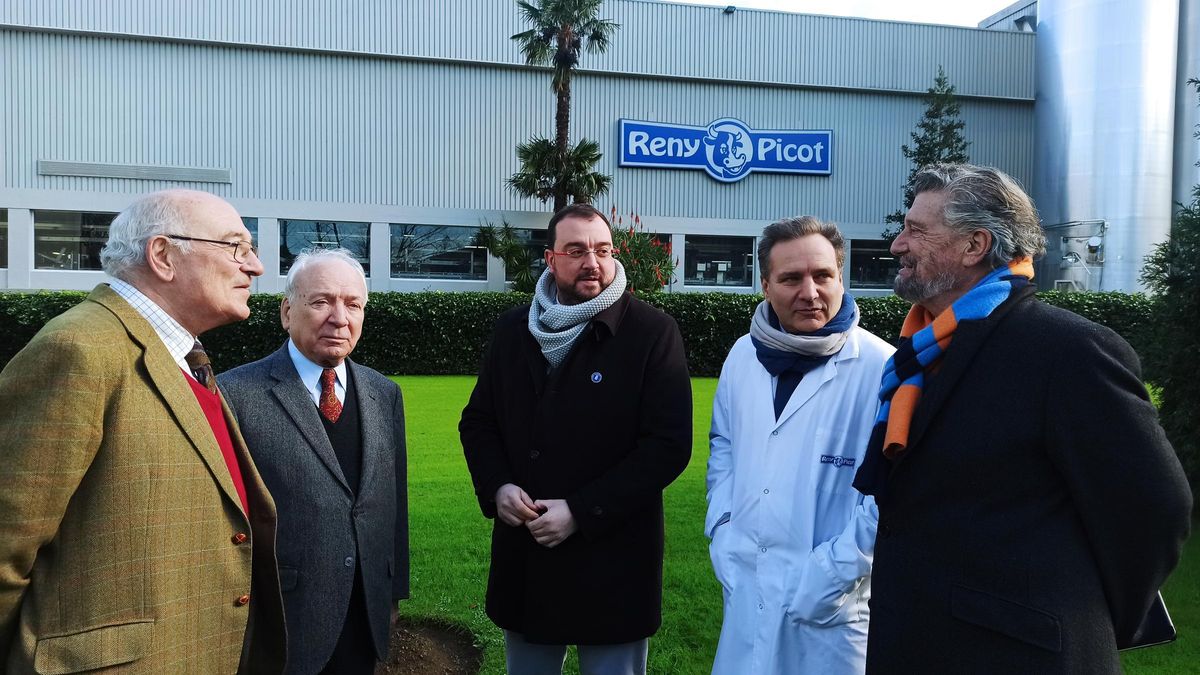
{"points": [[450, 546]]}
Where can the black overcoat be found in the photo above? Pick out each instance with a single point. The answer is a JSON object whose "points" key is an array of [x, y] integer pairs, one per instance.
{"points": [[607, 431], [1037, 511]]}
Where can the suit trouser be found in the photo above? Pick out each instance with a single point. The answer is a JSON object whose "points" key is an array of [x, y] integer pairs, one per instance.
{"points": [[526, 658]]}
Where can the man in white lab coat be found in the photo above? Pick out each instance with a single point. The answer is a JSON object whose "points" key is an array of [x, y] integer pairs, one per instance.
{"points": [[792, 541]]}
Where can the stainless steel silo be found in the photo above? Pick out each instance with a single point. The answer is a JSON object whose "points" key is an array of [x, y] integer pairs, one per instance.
{"points": [[1187, 103], [1104, 125]]}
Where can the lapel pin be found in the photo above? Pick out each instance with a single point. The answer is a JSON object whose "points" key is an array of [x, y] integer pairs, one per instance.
{"points": [[596, 377]]}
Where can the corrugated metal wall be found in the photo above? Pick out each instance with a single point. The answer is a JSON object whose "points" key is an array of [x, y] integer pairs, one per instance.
{"points": [[295, 126], [656, 38], [1005, 18], [387, 111]]}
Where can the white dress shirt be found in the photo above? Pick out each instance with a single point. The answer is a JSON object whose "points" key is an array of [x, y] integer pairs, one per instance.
{"points": [[310, 375], [175, 337]]}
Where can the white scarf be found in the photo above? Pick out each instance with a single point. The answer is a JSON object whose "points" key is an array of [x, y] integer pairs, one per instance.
{"points": [[810, 345]]}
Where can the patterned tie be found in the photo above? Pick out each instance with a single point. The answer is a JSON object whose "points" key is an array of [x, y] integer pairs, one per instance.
{"points": [[331, 407], [202, 370]]}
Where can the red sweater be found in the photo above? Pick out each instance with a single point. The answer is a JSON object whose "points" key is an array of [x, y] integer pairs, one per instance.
{"points": [[211, 405]]}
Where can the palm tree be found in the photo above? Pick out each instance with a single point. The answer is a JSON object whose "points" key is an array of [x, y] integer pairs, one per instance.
{"points": [[548, 174], [560, 30]]}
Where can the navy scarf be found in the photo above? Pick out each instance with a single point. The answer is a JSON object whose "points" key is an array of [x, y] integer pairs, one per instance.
{"points": [[791, 367]]}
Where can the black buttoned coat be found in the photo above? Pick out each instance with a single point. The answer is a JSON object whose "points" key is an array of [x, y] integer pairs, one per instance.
{"points": [[607, 431], [1037, 511]]}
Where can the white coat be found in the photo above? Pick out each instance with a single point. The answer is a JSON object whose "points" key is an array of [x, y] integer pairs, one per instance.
{"points": [[792, 540]]}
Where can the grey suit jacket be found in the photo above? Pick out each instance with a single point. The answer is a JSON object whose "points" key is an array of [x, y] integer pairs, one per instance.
{"points": [[324, 528]]}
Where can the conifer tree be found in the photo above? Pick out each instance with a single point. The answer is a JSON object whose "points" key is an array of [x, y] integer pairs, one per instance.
{"points": [[1172, 274], [938, 138]]}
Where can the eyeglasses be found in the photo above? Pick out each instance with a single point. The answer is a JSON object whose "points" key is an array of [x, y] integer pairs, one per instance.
{"points": [[240, 249], [601, 252]]}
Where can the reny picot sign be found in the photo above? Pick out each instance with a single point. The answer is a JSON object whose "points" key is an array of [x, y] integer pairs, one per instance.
{"points": [[727, 149]]}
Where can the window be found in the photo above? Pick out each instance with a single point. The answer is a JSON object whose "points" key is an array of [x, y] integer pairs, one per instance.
{"points": [[437, 252], [871, 264], [252, 225], [535, 245], [3, 238], [64, 240], [718, 261], [296, 236]]}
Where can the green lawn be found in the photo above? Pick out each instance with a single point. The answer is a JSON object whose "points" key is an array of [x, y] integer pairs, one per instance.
{"points": [[450, 546]]}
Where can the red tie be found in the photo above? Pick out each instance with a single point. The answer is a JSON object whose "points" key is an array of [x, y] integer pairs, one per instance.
{"points": [[331, 407]]}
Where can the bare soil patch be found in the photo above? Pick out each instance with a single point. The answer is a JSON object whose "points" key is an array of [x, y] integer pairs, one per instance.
{"points": [[429, 648]]}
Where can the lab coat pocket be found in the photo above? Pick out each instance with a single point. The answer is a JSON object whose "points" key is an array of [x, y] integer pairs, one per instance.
{"points": [[721, 556], [818, 598]]}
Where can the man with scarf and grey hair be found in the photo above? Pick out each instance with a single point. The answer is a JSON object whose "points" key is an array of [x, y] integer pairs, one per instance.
{"points": [[1030, 506], [792, 542], [581, 416]]}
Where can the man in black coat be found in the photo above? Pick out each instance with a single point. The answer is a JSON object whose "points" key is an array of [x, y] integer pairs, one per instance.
{"points": [[581, 416], [328, 436], [1032, 507]]}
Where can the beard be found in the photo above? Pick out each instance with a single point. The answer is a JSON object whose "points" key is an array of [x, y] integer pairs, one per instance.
{"points": [[917, 290], [569, 292]]}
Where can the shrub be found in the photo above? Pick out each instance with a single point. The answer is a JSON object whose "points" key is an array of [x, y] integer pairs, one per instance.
{"points": [[431, 333], [24, 314], [1128, 314], [648, 262], [710, 323], [437, 333], [1172, 272]]}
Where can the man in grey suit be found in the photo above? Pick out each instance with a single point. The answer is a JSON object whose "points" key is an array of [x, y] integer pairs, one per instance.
{"points": [[328, 436]]}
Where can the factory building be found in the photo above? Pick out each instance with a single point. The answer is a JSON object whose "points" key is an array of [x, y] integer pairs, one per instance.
{"points": [[389, 128]]}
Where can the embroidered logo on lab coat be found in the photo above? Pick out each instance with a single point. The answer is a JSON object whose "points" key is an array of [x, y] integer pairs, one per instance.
{"points": [[837, 460]]}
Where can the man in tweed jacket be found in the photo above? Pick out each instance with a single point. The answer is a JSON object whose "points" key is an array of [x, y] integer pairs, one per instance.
{"points": [[135, 533]]}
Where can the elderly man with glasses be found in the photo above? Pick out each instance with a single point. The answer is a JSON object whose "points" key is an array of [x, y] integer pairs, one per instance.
{"points": [[581, 416], [135, 531]]}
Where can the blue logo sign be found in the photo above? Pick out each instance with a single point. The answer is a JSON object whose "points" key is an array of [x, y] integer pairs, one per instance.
{"points": [[727, 149]]}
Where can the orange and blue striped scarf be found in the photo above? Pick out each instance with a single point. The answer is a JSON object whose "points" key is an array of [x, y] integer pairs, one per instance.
{"points": [[924, 338]]}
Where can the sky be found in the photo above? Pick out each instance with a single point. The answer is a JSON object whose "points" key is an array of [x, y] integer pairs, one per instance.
{"points": [[952, 12]]}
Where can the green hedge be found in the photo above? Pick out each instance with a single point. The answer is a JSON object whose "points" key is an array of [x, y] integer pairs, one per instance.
{"points": [[445, 333]]}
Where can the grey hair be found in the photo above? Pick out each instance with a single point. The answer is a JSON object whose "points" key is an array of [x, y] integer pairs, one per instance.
{"points": [[311, 256], [981, 197], [158, 213], [794, 228]]}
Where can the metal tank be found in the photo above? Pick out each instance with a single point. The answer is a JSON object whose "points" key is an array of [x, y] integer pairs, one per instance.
{"points": [[1187, 103], [1105, 129]]}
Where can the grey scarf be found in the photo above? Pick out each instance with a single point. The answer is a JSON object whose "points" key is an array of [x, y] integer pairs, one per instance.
{"points": [[555, 326], [813, 344]]}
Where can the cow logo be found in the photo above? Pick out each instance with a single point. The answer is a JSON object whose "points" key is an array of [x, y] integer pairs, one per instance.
{"points": [[728, 149]]}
